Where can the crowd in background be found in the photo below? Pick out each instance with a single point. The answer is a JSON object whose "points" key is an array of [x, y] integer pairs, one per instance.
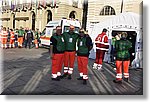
{"points": [[22, 37]]}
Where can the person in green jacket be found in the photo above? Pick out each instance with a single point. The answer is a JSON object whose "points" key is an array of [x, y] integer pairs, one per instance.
{"points": [[70, 51], [37, 38], [84, 44], [122, 47], [21, 33], [57, 49]]}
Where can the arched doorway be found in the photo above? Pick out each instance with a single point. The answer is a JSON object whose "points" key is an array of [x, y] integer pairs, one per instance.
{"points": [[13, 15], [33, 21], [72, 14], [49, 16]]}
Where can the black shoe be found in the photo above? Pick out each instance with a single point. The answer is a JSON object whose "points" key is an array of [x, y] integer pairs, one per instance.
{"points": [[69, 77], [80, 78], [117, 81], [64, 75], [126, 79], [59, 77], [84, 82], [56, 79]]}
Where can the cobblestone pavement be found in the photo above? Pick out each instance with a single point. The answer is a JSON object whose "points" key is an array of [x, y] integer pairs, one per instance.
{"points": [[28, 71]]}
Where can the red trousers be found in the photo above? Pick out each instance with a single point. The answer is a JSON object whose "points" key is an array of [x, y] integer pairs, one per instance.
{"points": [[82, 66], [69, 61], [36, 43], [4, 42], [122, 65], [99, 56], [57, 62], [20, 41], [12, 43]]}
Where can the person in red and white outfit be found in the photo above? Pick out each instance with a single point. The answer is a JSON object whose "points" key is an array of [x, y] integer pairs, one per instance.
{"points": [[102, 46], [12, 39], [4, 36]]}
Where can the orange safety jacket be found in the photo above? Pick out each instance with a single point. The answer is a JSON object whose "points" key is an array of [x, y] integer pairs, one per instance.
{"points": [[12, 35], [4, 35]]}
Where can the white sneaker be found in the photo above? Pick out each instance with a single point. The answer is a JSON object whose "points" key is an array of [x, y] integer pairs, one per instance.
{"points": [[94, 66], [99, 67]]}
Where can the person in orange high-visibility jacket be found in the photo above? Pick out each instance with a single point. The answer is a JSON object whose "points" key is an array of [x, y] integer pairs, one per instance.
{"points": [[4, 36], [70, 51], [102, 46], [57, 49], [84, 44], [12, 39]]}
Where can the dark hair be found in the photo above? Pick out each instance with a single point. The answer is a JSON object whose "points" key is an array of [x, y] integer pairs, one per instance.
{"points": [[81, 30], [104, 30], [57, 27], [4, 28], [11, 29]]}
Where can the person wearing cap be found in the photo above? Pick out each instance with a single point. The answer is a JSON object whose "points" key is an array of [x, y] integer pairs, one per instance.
{"points": [[57, 49], [102, 46], [122, 47], [84, 44], [21, 33], [70, 51]]}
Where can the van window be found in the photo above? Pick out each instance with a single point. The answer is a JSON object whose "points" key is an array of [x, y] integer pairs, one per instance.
{"points": [[54, 31], [66, 29]]}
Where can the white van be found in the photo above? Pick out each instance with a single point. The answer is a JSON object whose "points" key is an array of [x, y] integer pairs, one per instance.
{"points": [[51, 29]]}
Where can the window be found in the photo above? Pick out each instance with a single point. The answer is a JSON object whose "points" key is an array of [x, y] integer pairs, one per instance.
{"points": [[107, 10]]}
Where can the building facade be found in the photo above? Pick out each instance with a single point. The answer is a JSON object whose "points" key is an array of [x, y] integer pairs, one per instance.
{"points": [[100, 10], [37, 13]]}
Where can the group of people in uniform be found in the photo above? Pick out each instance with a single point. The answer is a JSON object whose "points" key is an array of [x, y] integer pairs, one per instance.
{"points": [[65, 46], [63, 52], [10, 38]]}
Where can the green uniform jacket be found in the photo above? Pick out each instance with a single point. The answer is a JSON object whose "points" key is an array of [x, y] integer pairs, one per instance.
{"points": [[37, 35], [58, 43], [84, 46], [21, 33], [122, 49], [70, 41]]}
